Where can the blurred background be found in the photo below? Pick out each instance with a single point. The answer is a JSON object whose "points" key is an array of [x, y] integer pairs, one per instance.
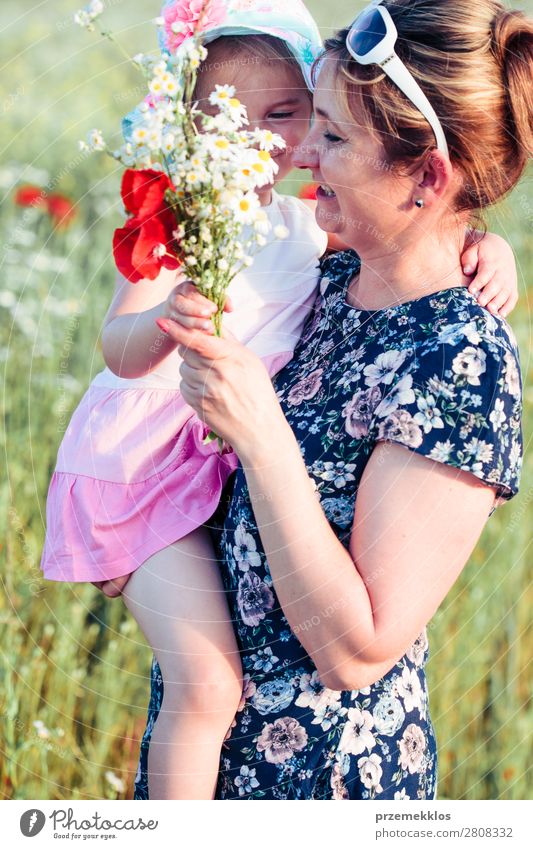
{"points": [[74, 669]]}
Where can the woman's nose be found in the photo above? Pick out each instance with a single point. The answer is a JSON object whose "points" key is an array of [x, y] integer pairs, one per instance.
{"points": [[305, 154]]}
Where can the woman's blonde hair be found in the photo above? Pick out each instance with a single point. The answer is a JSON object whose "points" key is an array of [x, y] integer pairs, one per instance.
{"points": [[474, 61]]}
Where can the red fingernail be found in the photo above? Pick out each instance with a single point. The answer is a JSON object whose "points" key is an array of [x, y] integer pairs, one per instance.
{"points": [[163, 325]]}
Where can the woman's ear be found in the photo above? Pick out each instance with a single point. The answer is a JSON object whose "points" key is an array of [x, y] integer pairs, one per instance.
{"points": [[433, 179]]}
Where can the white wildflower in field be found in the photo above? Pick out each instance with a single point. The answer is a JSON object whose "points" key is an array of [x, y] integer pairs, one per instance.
{"points": [[8, 300], [85, 17], [42, 730], [115, 782]]}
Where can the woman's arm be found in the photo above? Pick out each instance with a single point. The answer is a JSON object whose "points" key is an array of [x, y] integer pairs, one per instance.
{"points": [[416, 522]]}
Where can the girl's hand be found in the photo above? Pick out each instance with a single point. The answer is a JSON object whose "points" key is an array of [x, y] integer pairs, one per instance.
{"points": [[490, 261], [186, 306], [227, 386]]}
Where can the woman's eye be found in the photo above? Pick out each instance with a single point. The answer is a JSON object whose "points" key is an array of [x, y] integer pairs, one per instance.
{"points": [[331, 137]]}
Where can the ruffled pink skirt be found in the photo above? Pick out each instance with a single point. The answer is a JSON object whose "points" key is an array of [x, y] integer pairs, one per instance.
{"points": [[132, 477]]}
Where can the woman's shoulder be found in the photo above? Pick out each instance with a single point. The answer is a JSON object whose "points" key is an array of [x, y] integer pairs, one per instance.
{"points": [[453, 319], [447, 385]]}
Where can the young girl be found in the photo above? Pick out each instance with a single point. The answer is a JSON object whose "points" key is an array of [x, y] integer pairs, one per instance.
{"points": [[134, 482]]}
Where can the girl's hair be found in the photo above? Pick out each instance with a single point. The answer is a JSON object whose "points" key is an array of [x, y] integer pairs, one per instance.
{"points": [[231, 52], [474, 61]]}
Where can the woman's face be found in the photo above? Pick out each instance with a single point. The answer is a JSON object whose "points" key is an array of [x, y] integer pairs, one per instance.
{"points": [[360, 199]]}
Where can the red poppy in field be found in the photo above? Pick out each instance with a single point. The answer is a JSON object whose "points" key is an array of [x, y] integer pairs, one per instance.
{"points": [[30, 196], [59, 207], [308, 192], [61, 210]]}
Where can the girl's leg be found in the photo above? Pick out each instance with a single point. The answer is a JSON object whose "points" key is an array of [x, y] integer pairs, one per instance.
{"points": [[177, 597]]}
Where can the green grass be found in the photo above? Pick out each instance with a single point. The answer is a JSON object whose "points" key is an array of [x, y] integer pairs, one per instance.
{"points": [[75, 662]]}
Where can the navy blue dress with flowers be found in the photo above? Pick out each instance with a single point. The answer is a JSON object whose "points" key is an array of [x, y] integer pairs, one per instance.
{"points": [[438, 375]]}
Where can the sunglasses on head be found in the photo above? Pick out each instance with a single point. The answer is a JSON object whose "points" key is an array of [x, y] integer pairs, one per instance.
{"points": [[371, 41]]}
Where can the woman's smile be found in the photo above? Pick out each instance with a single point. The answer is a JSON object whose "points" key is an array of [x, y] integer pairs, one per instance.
{"points": [[325, 193]]}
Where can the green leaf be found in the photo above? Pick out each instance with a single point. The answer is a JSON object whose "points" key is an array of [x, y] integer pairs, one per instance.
{"points": [[211, 436]]}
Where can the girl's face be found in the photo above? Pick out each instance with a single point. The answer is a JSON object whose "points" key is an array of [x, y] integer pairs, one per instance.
{"points": [[275, 97], [360, 199]]}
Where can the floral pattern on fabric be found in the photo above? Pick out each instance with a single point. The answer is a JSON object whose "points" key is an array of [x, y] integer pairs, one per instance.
{"points": [[438, 375]]}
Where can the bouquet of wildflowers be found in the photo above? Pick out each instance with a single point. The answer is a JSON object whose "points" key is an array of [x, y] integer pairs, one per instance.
{"points": [[189, 187]]}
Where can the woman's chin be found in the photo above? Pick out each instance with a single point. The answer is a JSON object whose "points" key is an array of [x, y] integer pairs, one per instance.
{"points": [[327, 219]]}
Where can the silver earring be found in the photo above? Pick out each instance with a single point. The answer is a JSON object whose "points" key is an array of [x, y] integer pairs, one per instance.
{"points": [[419, 203]]}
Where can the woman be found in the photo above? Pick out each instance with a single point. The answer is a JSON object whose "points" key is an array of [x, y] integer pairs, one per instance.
{"points": [[331, 595]]}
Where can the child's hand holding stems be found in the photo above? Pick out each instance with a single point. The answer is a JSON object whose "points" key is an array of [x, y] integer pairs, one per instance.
{"points": [[189, 308]]}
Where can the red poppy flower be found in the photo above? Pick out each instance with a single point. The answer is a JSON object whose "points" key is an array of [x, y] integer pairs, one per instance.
{"points": [[138, 247], [30, 196], [143, 192], [61, 210], [308, 192]]}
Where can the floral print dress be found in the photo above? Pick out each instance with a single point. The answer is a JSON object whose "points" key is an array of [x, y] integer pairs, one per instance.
{"points": [[438, 375]]}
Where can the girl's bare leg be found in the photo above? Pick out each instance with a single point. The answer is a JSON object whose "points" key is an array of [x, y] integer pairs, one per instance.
{"points": [[177, 598]]}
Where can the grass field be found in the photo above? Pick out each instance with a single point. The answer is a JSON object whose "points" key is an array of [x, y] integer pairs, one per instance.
{"points": [[74, 670]]}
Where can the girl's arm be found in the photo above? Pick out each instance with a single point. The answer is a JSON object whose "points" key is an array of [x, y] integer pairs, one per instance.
{"points": [[132, 344], [490, 261], [416, 523]]}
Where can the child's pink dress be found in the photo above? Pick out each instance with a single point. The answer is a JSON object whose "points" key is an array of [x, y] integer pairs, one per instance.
{"points": [[132, 473]]}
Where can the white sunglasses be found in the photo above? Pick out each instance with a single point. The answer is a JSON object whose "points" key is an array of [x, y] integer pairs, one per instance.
{"points": [[371, 41]]}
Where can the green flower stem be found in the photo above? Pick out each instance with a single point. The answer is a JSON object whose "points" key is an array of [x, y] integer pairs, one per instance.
{"points": [[217, 321], [111, 37]]}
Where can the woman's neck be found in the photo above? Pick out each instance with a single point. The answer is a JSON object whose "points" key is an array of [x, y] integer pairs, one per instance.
{"points": [[400, 273]]}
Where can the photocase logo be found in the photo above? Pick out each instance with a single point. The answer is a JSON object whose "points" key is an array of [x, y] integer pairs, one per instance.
{"points": [[32, 822]]}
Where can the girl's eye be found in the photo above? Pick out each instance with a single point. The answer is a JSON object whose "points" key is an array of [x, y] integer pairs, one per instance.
{"points": [[280, 116], [331, 137]]}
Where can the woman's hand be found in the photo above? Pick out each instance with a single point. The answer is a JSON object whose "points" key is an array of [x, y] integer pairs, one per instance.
{"points": [[490, 261], [226, 384]]}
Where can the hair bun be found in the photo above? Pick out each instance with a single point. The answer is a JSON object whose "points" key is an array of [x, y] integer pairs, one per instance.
{"points": [[509, 29], [512, 45]]}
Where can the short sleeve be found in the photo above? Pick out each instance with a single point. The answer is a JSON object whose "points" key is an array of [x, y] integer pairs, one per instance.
{"points": [[457, 401]]}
